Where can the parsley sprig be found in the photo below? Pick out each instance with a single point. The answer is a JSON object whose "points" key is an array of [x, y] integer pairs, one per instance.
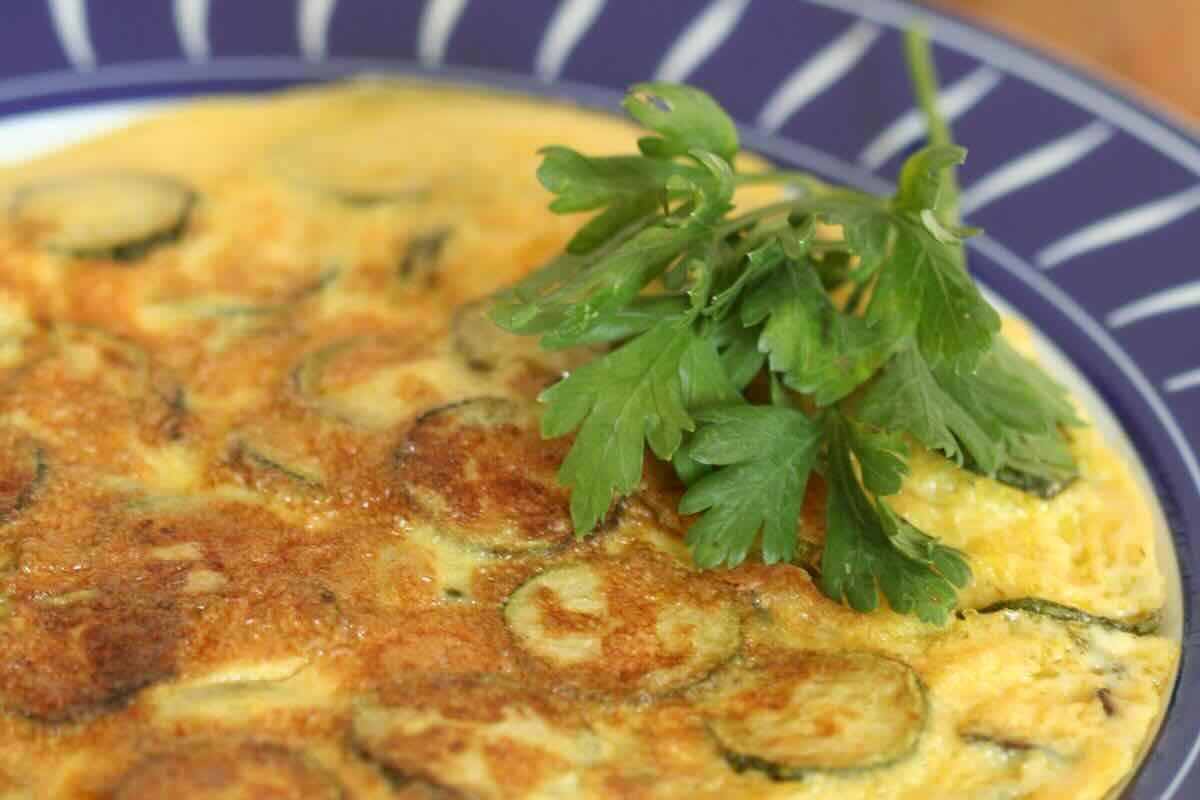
{"points": [[751, 349]]}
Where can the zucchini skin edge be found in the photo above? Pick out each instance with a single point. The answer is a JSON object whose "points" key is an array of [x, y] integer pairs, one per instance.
{"points": [[1036, 485], [1138, 626], [41, 469], [779, 773], [633, 699], [132, 250]]}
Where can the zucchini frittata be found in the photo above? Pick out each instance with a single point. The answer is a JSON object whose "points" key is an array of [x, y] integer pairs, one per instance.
{"points": [[276, 520]]}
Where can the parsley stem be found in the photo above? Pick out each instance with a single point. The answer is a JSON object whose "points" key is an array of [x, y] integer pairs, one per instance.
{"points": [[923, 76], [762, 233], [803, 205], [754, 216]]}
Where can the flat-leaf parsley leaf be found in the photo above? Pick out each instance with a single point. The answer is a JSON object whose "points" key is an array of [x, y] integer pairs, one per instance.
{"points": [[756, 351], [767, 453]]}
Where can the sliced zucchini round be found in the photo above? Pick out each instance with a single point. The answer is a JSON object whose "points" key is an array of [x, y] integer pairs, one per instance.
{"points": [[1044, 486], [136, 392], [484, 347], [445, 729], [83, 653], [422, 254], [481, 344], [1037, 485], [22, 470], [480, 472], [632, 626], [816, 712], [1008, 746], [308, 375], [374, 380], [230, 315], [157, 397], [115, 217], [1004, 724], [357, 166], [1137, 625], [239, 695], [220, 306], [264, 467], [225, 771]]}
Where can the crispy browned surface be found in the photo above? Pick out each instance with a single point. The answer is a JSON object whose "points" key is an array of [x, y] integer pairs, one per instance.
{"points": [[794, 708], [208, 771], [637, 590], [429, 725], [20, 473], [189, 495], [65, 663], [481, 471]]}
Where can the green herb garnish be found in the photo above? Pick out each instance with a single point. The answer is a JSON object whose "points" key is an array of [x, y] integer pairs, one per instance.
{"points": [[749, 350]]}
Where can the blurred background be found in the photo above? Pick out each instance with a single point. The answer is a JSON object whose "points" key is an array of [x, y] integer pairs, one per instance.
{"points": [[1147, 45]]}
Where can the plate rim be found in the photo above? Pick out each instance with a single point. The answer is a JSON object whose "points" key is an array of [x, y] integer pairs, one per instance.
{"points": [[1169, 135]]}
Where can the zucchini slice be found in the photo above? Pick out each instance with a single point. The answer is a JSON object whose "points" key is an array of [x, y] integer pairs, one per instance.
{"points": [[483, 346], [229, 307], [138, 395], [239, 694], [376, 380], [632, 626], [1008, 746], [263, 467], [156, 396], [1138, 625], [227, 771], [83, 653], [232, 313], [806, 712], [440, 728], [422, 253], [1045, 475], [114, 217], [357, 166], [480, 343], [1038, 485], [480, 472], [1041, 486], [308, 376], [22, 471]]}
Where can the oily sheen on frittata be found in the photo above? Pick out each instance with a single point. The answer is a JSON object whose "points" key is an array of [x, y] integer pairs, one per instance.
{"points": [[276, 519]]}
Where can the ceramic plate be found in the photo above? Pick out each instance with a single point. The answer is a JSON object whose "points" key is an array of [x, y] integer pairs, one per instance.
{"points": [[1090, 200]]}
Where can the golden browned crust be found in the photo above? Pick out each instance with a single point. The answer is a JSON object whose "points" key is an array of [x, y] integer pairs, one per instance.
{"points": [[640, 625], [20, 472], [479, 470], [223, 771], [89, 656], [439, 728]]}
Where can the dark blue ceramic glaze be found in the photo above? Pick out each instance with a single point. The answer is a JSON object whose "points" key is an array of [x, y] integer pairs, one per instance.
{"points": [[1091, 201]]}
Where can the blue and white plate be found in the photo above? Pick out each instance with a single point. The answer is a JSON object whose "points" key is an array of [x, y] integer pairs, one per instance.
{"points": [[1090, 200]]}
